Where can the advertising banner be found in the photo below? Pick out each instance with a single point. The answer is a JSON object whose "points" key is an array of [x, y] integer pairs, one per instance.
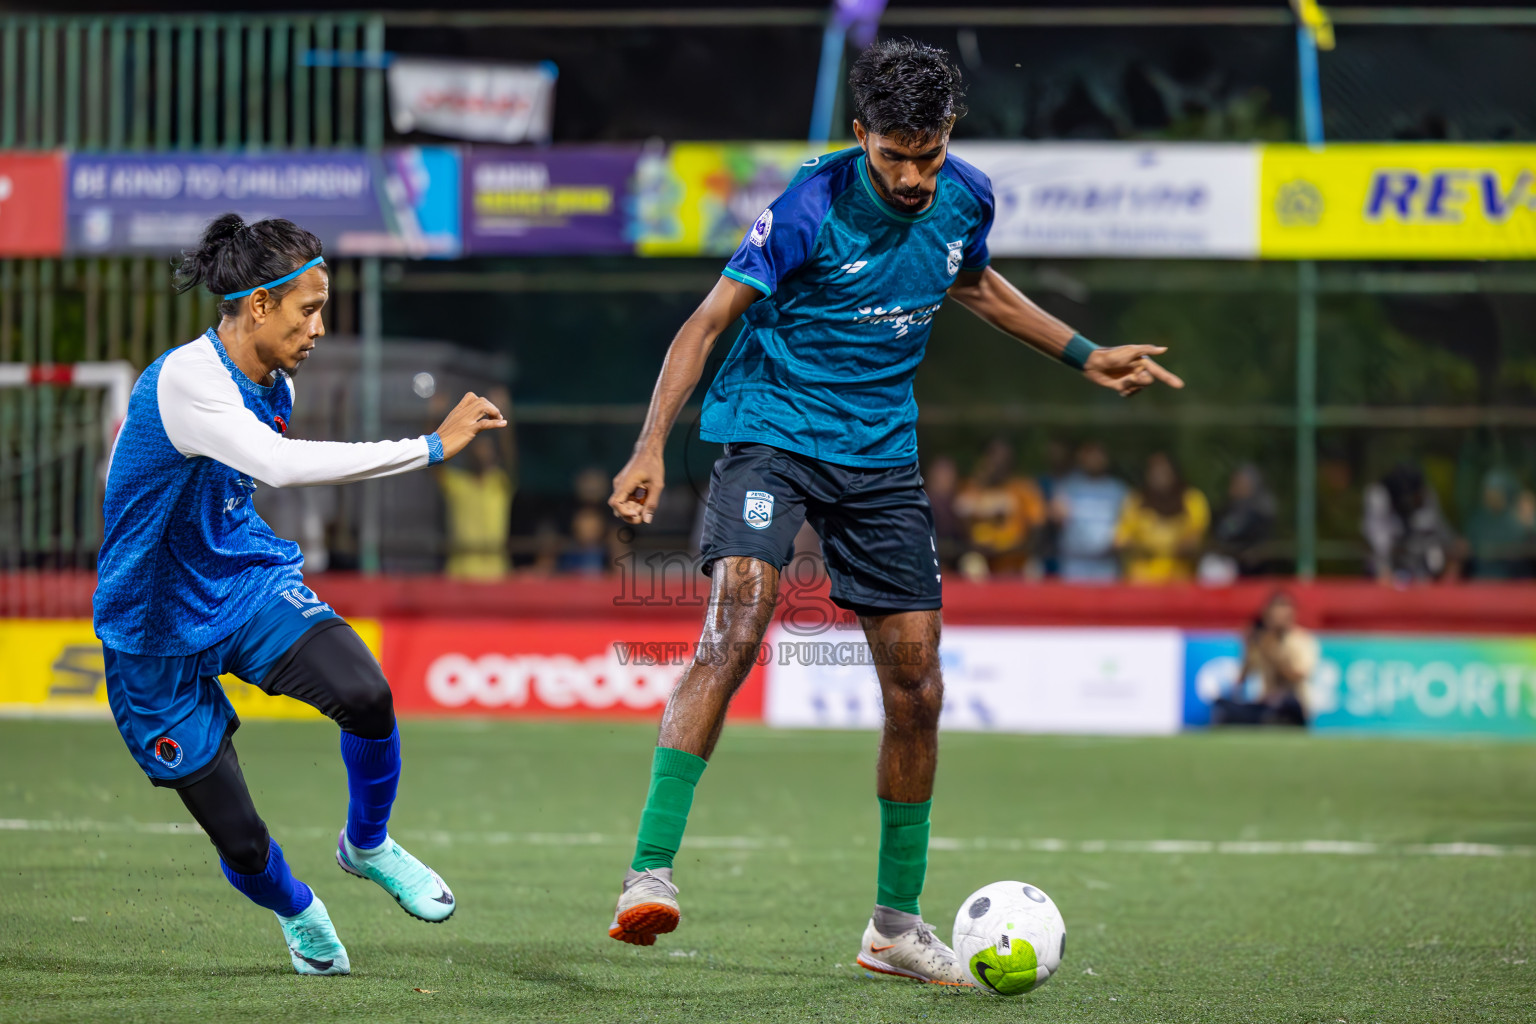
{"points": [[1075, 199], [403, 203], [699, 198], [31, 204], [548, 201], [1391, 684], [468, 100], [54, 667], [581, 668], [1116, 199], [999, 679], [1415, 201], [1124, 200]]}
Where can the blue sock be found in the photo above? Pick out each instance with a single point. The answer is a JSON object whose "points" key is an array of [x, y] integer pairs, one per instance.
{"points": [[275, 888], [373, 774]]}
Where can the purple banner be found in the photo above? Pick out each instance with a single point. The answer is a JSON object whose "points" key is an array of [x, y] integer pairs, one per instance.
{"points": [[402, 203], [548, 201]]}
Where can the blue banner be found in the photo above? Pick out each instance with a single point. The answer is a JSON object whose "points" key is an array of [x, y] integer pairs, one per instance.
{"points": [[1389, 684], [404, 202], [562, 199]]}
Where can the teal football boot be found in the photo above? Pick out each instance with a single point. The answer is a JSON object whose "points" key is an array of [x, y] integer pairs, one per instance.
{"points": [[312, 942], [416, 887]]}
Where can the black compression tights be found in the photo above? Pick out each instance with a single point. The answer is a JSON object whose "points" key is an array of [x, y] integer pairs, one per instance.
{"points": [[329, 669], [221, 803]]}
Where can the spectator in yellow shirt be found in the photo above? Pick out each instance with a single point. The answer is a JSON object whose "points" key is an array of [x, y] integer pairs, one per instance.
{"points": [[477, 502], [1162, 526]]}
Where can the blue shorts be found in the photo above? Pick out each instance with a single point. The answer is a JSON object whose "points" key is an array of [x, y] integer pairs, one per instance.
{"points": [[875, 525], [173, 713]]}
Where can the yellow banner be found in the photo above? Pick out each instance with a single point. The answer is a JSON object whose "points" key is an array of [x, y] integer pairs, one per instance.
{"points": [[54, 667], [703, 196], [1401, 201]]}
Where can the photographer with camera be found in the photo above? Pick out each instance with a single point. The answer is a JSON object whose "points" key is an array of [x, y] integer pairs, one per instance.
{"points": [[1283, 655]]}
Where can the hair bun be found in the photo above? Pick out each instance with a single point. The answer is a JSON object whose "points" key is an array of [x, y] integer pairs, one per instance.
{"points": [[220, 230]]}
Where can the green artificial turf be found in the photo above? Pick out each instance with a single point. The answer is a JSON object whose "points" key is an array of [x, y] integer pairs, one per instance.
{"points": [[531, 823]]}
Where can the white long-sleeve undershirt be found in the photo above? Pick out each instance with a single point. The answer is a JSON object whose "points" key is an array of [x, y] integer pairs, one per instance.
{"points": [[204, 415]]}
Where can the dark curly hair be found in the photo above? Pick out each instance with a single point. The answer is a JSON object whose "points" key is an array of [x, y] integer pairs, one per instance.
{"points": [[234, 255], [910, 91]]}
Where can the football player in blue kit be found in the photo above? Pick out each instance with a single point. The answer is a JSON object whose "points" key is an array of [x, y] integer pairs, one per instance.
{"points": [[193, 583], [839, 281]]}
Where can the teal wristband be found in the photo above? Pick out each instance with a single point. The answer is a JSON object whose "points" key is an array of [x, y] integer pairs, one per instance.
{"points": [[1077, 352]]}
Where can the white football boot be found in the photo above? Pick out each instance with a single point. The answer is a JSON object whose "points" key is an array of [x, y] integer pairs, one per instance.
{"points": [[647, 907], [918, 954]]}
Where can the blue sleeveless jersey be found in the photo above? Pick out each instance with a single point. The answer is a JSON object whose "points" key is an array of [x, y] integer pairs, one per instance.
{"points": [[185, 560], [824, 365]]}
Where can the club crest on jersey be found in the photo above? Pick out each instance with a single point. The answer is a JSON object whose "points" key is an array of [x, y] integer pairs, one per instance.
{"points": [[759, 235], [955, 256], [757, 511], [281, 424], [168, 752]]}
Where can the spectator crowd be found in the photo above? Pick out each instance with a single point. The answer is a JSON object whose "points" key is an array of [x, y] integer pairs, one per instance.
{"points": [[1081, 522]]}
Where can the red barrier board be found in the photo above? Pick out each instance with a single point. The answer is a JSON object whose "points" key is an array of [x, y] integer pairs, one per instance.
{"points": [[581, 668], [31, 204], [1343, 606]]}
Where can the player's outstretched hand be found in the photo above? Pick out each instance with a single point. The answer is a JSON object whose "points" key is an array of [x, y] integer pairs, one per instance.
{"points": [[472, 415], [1128, 368], [637, 488]]}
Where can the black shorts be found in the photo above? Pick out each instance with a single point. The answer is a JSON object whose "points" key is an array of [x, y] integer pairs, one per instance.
{"points": [[875, 525]]}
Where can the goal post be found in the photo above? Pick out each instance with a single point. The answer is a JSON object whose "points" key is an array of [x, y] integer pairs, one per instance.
{"points": [[58, 422]]}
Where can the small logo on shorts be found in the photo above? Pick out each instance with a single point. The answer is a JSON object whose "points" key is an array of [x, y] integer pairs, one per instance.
{"points": [[305, 600], [167, 751], [757, 512]]}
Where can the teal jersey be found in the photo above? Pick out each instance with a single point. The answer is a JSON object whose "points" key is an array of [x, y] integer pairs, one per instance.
{"points": [[824, 365]]}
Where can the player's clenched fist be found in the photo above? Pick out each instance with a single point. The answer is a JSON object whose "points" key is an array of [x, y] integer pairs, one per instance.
{"points": [[637, 488], [472, 415]]}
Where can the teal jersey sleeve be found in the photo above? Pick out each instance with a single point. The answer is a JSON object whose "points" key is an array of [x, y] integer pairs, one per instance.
{"points": [[782, 238]]}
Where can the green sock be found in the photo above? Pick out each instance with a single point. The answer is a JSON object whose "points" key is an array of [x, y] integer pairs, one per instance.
{"points": [[903, 854], [674, 773]]}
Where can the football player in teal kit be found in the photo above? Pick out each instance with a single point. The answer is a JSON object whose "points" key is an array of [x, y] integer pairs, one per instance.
{"points": [[839, 281]]}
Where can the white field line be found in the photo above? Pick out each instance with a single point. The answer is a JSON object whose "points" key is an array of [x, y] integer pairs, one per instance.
{"points": [[1331, 847]]}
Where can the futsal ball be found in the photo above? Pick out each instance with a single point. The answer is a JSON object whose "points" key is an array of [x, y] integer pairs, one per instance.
{"points": [[1010, 936]]}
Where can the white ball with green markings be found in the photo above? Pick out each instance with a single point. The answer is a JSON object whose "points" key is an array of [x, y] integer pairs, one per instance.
{"points": [[1010, 936]]}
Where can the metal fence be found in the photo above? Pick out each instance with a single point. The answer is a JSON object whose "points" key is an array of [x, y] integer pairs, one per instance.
{"points": [[243, 82], [207, 82]]}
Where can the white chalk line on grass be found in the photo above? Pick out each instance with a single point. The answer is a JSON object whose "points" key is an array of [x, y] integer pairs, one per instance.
{"points": [[1336, 847], [1239, 847]]}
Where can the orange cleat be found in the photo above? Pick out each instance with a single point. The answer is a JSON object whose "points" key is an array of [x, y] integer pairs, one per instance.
{"points": [[647, 907]]}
